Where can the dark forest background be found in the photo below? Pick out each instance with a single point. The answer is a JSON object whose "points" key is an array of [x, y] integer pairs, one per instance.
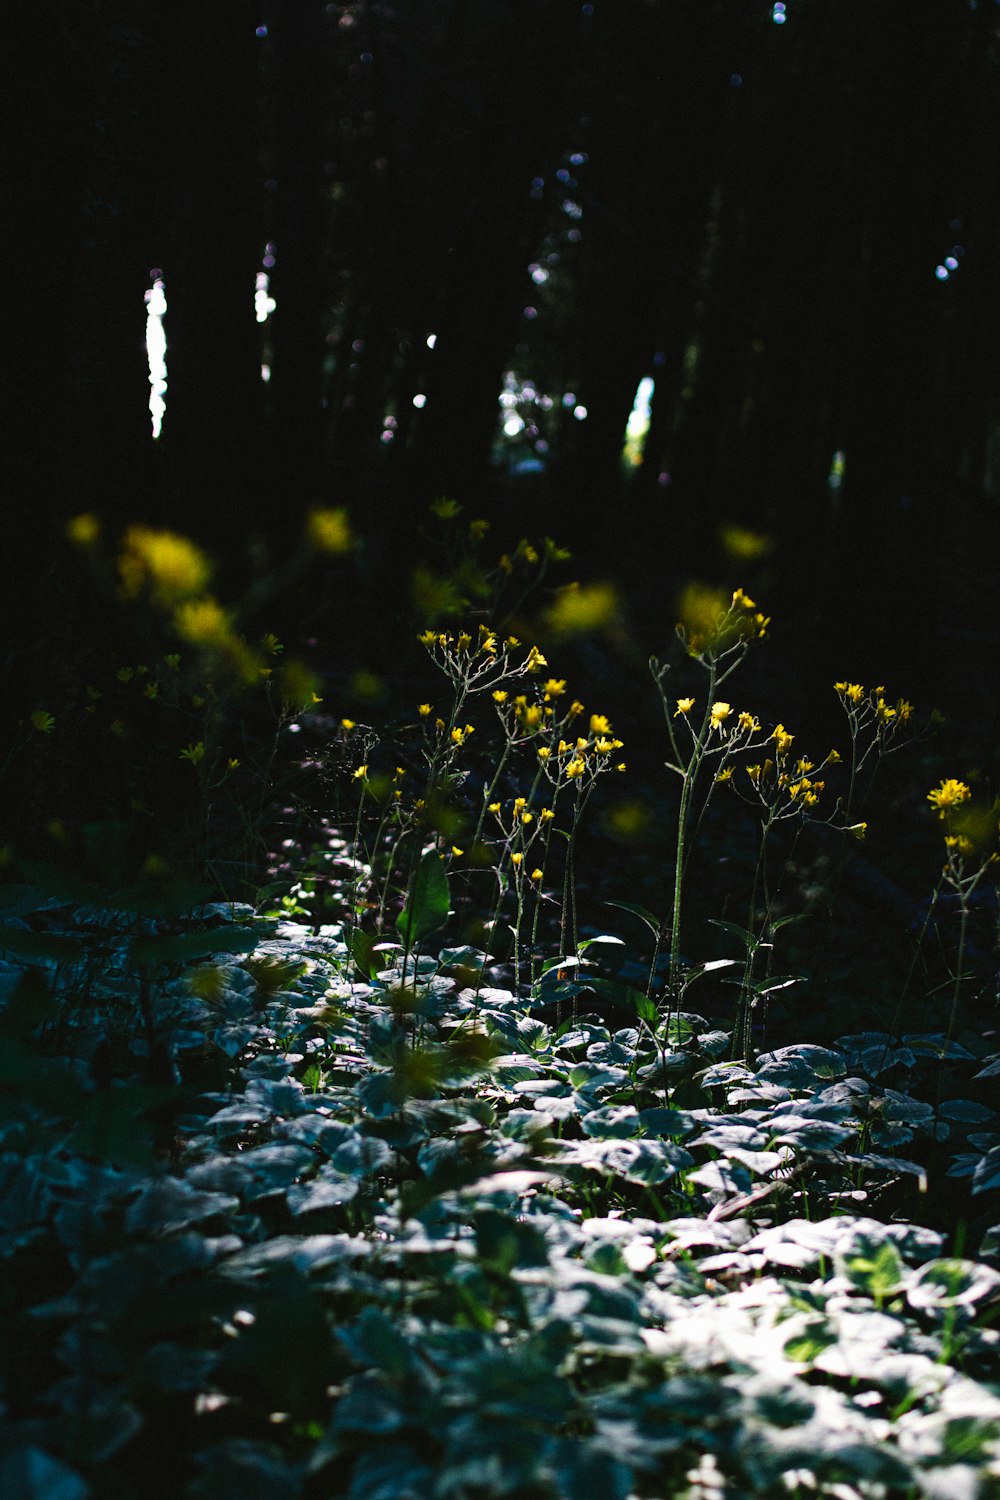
{"points": [[788, 216]]}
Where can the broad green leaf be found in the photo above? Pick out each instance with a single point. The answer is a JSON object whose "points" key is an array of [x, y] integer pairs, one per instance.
{"points": [[185, 947], [987, 1173], [363, 953], [24, 943], [18, 900], [428, 903]]}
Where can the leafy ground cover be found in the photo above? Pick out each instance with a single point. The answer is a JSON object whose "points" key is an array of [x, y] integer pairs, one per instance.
{"points": [[412, 1178], [417, 1236]]}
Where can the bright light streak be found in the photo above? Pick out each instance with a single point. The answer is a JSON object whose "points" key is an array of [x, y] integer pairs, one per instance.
{"points": [[156, 352]]}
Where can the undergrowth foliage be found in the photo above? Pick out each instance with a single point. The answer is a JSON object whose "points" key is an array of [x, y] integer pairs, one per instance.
{"points": [[407, 1179]]}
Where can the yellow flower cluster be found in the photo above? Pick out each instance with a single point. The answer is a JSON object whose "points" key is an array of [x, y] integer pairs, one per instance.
{"points": [[710, 627], [480, 663], [949, 794]]}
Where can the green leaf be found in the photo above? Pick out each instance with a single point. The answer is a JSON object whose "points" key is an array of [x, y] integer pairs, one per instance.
{"points": [[185, 947], [623, 995], [24, 943], [18, 900], [642, 912], [362, 951], [735, 930], [428, 903]]}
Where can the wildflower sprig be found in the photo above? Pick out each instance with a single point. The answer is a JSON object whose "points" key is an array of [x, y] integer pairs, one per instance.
{"points": [[877, 727], [717, 635], [971, 831], [479, 663]]}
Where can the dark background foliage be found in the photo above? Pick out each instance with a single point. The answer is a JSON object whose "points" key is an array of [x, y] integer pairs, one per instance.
{"points": [[748, 209]]}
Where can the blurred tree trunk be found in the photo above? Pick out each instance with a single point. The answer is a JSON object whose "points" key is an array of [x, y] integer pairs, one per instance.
{"points": [[208, 227]]}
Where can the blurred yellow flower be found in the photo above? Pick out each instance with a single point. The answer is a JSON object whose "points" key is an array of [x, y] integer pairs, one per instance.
{"points": [[203, 622], [83, 530], [42, 721], [329, 530], [582, 607], [173, 566]]}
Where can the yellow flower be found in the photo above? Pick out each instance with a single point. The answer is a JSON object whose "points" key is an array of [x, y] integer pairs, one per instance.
{"points": [[725, 775], [535, 660], [478, 529], [576, 767], [834, 758], [531, 716], [487, 643], [361, 774], [782, 739], [203, 622], [684, 706], [544, 752], [949, 794], [527, 817], [464, 641], [494, 807], [512, 642], [83, 530], [194, 753], [741, 601], [516, 859], [579, 608], [536, 874], [857, 830], [604, 746], [520, 803], [748, 722], [852, 691], [349, 724], [500, 696], [459, 736], [174, 566], [428, 638], [456, 851], [42, 721], [599, 724], [720, 713], [329, 530], [555, 687], [546, 815], [960, 843], [904, 710]]}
